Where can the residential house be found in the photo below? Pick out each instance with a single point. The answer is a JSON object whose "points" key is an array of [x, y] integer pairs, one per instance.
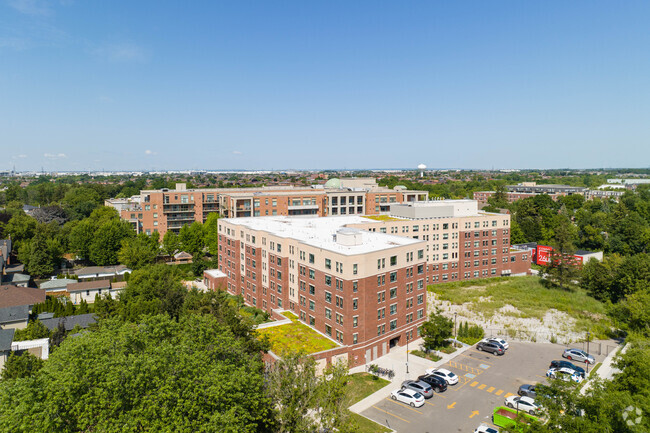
{"points": [[14, 317], [102, 272], [70, 322], [11, 296], [57, 286], [6, 338], [87, 290]]}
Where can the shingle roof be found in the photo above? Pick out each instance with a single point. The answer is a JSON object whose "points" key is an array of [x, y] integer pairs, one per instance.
{"points": [[6, 338], [16, 278], [13, 295], [89, 285], [94, 270], [69, 322], [57, 284], [14, 314]]}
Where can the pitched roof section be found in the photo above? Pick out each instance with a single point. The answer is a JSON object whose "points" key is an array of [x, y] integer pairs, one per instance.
{"points": [[69, 322], [95, 271], [89, 285], [58, 283], [6, 338], [14, 314], [13, 295]]}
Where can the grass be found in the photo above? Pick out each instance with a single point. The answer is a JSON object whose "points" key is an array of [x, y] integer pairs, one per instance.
{"points": [[295, 337], [528, 296], [422, 354], [360, 386], [381, 217], [596, 367]]}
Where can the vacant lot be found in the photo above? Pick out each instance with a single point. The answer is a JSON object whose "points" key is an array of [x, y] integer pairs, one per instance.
{"points": [[522, 305]]}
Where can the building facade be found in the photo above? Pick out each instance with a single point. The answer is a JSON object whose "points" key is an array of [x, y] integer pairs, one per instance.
{"points": [[163, 210]]}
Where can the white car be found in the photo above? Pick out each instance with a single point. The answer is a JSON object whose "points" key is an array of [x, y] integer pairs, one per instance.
{"points": [[565, 374], [484, 428], [408, 396], [526, 404], [500, 341], [445, 374]]}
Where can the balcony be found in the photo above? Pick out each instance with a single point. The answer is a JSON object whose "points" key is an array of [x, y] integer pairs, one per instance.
{"points": [[186, 208]]}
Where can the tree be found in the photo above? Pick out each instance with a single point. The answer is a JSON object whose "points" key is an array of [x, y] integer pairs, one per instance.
{"points": [[562, 268], [211, 233], [191, 238], [153, 290], [20, 366], [34, 330], [436, 331], [36, 255], [80, 202], [170, 243], [107, 242], [158, 375], [81, 238], [139, 251], [48, 214]]}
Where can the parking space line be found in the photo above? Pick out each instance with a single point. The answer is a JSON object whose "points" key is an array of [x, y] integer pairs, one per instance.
{"points": [[482, 386], [490, 389], [499, 392], [403, 405], [426, 402], [478, 353], [509, 395], [543, 377], [398, 417], [473, 384]]}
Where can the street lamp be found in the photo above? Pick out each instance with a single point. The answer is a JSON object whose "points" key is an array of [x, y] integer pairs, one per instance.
{"points": [[407, 352], [587, 361], [455, 332]]}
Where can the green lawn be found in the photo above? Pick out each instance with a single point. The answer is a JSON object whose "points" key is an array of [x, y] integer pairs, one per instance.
{"points": [[527, 295], [360, 386], [295, 337], [381, 217]]}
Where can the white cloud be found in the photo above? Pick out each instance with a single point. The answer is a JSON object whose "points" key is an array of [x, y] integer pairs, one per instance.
{"points": [[236, 152], [126, 52], [30, 7], [22, 155], [150, 152], [55, 155]]}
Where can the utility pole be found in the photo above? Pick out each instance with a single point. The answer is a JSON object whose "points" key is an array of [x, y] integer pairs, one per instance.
{"points": [[407, 352]]}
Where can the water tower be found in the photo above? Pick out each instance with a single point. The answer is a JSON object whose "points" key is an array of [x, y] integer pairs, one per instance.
{"points": [[422, 167]]}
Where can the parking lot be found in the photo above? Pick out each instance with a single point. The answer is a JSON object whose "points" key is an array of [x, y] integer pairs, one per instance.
{"points": [[485, 381]]}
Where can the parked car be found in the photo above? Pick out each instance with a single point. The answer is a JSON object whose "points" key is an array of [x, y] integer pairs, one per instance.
{"points": [[567, 364], [484, 428], [500, 341], [565, 374], [423, 388], [578, 355], [525, 404], [437, 383], [490, 346], [408, 396], [527, 391], [445, 374]]}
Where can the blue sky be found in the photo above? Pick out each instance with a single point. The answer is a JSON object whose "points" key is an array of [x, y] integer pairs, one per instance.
{"points": [[90, 85]]}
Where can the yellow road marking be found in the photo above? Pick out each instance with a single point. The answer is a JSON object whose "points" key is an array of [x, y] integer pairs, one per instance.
{"points": [[490, 389], [473, 384], [426, 402], [451, 406], [398, 417], [509, 395], [479, 360], [404, 405], [474, 413], [482, 386], [440, 395], [499, 392]]}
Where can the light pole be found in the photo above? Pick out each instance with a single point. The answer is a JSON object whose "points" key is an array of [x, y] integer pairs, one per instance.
{"points": [[587, 361], [407, 352], [455, 332]]}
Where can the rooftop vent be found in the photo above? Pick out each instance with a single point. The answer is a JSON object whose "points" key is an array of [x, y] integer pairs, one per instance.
{"points": [[348, 237]]}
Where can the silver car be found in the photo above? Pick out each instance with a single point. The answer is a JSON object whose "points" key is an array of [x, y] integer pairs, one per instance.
{"points": [[578, 355], [416, 385]]}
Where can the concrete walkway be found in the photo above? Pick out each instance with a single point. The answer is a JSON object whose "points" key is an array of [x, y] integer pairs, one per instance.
{"points": [[396, 361], [607, 370]]}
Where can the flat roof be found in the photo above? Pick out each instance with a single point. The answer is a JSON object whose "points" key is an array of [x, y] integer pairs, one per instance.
{"points": [[319, 232], [215, 273]]}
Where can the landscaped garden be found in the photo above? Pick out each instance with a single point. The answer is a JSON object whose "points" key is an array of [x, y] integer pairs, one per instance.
{"points": [[360, 386], [295, 337]]}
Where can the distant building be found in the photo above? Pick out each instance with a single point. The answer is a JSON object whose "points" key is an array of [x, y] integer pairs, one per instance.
{"points": [[531, 189], [88, 290], [163, 210], [214, 279], [6, 338]]}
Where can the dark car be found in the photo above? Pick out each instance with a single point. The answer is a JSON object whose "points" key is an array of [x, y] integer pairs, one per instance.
{"points": [[566, 364], [491, 346], [437, 383], [527, 391]]}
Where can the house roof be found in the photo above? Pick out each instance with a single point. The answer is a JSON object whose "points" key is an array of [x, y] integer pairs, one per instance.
{"points": [[13, 295], [118, 285], [14, 314], [16, 278], [182, 255], [69, 322], [57, 284], [6, 338], [215, 273], [93, 271], [89, 285]]}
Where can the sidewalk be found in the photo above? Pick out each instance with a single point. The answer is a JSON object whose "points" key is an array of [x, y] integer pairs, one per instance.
{"points": [[396, 360], [606, 370]]}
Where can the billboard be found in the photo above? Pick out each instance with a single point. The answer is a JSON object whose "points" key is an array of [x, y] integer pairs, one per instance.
{"points": [[543, 255]]}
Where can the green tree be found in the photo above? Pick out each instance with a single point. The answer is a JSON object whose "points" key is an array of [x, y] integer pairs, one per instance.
{"points": [[139, 251], [153, 290], [562, 269], [81, 238], [436, 331], [34, 330], [80, 202], [170, 243], [21, 366], [211, 233], [191, 238], [108, 241], [158, 375]]}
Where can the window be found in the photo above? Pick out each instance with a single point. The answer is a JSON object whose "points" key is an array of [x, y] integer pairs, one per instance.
{"points": [[312, 289], [328, 330], [393, 260], [328, 280], [328, 264], [312, 305], [393, 277], [355, 338], [420, 299], [354, 269], [328, 297], [312, 274], [311, 258], [312, 321], [393, 293], [355, 286], [393, 324], [393, 309], [328, 313]]}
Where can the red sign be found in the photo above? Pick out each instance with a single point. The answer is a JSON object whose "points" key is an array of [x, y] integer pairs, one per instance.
{"points": [[543, 255]]}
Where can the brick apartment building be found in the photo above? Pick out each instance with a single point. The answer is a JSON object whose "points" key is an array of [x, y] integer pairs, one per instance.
{"points": [[531, 189], [361, 281], [162, 210]]}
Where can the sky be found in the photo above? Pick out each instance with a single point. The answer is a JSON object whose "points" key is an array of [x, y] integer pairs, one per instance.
{"points": [[225, 85]]}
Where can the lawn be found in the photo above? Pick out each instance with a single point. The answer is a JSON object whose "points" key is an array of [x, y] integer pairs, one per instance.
{"points": [[295, 337], [360, 386], [381, 217], [527, 295]]}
